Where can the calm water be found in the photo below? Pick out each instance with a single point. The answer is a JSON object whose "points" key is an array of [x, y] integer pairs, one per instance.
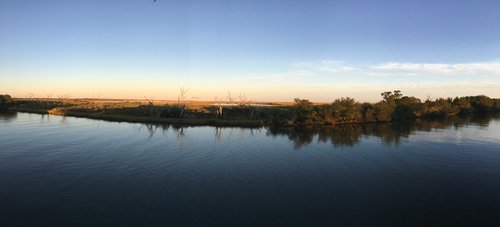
{"points": [[74, 171]]}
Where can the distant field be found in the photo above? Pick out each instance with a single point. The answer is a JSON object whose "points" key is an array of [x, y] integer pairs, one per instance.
{"points": [[137, 102], [393, 107]]}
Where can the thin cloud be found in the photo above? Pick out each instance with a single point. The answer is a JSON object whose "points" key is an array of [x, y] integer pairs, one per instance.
{"points": [[328, 71], [327, 79], [463, 69], [325, 66]]}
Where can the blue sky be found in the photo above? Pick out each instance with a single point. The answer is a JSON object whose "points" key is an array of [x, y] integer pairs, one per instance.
{"points": [[271, 50]]}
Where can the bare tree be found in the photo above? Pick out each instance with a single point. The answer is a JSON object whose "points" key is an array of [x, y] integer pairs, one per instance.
{"points": [[219, 107], [244, 103], [229, 98], [152, 109], [182, 101], [428, 98], [242, 100], [30, 96]]}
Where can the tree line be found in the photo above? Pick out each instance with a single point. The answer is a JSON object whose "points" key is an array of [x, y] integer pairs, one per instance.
{"points": [[5, 102], [393, 106]]}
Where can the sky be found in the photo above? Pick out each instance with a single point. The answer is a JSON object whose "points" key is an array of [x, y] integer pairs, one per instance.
{"points": [[269, 50]]}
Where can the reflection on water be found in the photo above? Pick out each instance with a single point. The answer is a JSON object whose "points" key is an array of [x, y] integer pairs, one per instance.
{"points": [[347, 135], [66, 171], [8, 116], [389, 133], [339, 136]]}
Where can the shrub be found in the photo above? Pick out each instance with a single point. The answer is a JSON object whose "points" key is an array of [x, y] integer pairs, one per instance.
{"points": [[304, 110], [347, 110], [383, 111], [482, 103], [5, 102], [406, 108]]}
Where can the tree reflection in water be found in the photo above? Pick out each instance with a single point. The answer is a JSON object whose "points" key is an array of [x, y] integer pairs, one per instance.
{"points": [[346, 135], [389, 133], [8, 116], [152, 128]]}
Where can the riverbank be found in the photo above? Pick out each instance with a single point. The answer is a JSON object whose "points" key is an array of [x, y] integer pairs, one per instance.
{"points": [[149, 119], [302, 112], [187, 121]]}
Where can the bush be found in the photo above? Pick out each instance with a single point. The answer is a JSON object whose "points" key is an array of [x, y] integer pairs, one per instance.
{"points": [[496, 107], [383, 111], [406, 108], [304, 110], [462, 105], [347, 110], [277, 116], [482, 103], [171, 112], [5, 102]]}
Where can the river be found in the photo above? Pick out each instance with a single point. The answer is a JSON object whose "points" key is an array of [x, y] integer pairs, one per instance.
{"points": [[70, 171]]}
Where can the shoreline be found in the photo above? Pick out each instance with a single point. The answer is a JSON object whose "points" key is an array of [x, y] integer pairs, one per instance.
{"points": [[147, 119], [302, 113], [197, 121]]}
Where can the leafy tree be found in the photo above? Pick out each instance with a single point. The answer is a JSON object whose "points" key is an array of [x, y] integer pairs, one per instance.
{"points": [[304, 110], [325, 113], [482, 103], [347, 110], [385, 108], [461, 105], [368, 112], [5, 101], [390, 97], [406, 108], [439, 108], [496, 107], [383, 111]]}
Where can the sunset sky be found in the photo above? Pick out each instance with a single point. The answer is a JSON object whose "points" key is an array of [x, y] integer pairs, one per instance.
{"points": [[272, 50]]}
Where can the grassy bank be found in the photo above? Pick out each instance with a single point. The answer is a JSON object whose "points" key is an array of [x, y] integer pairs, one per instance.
{"points": [[148, 119], [393, 107]]}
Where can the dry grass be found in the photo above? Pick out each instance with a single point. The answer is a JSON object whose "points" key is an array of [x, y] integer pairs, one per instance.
{"points": [[138, 102], [146, 119], [111, 110]]}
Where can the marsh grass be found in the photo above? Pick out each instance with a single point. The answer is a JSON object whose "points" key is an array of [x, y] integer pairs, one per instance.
{"points": [[394, 107], [132, 111]]}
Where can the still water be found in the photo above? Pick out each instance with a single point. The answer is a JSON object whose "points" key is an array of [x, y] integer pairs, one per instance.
{"points": [[79, 172]]}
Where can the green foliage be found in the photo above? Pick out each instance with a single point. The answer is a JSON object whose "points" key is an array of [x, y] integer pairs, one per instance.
{"points": [[482, 103], [368, 112], [496, 107], [462, 105], [347, 110], [406, 108], [390, 97], [326, 114], [393, 107], [383, 111], [276, 116], [304, 110], [5, 102], [173, 111], [439, 108], [385, 108]]}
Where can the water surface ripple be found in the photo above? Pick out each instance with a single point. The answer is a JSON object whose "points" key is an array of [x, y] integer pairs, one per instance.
{"points": [[79, 172]]}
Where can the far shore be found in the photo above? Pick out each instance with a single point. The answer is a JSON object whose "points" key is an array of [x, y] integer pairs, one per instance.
{"points": [[149, 119], [240, 112]]}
